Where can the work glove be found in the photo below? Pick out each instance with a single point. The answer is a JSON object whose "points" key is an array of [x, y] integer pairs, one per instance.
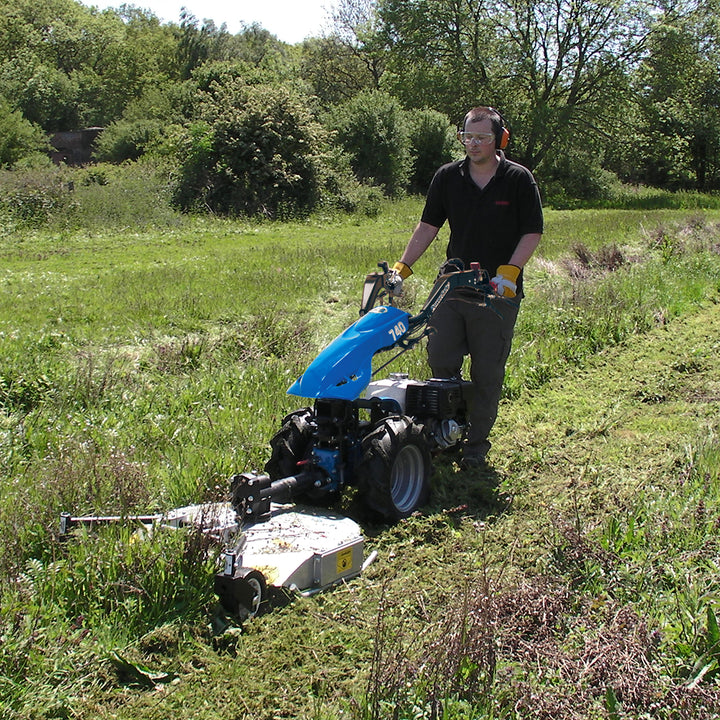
{"points": [[505, 282], [394, 282]]}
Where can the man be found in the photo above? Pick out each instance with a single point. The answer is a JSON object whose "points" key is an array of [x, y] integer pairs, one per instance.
{"points": [[493, 208]]}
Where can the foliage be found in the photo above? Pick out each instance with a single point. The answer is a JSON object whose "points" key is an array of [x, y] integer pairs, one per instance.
{"points": [[577, 180], [432, 144], [147, 123], [98, 197], [536, 62], [589, 90], [31, 198], [679, 138], [127, 140], [67, 66], [351, 58], [334, 70], [18, 137], [372, 130], [134, 197], [256, 151], [342, 191]]}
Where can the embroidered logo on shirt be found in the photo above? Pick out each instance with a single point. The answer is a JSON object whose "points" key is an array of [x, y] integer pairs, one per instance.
{"points": [[502, 202]]}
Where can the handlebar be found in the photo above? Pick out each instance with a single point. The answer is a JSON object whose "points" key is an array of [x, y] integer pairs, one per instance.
{"points": [[376, 290]]}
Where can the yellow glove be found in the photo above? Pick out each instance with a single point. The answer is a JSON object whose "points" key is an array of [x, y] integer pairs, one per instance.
{"points": [[399, 272], [505, 282]]}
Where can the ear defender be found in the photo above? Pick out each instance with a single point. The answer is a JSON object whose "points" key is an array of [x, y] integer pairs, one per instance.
{"points": [[504, 138]]}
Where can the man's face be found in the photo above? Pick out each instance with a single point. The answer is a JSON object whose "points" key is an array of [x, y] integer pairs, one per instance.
{"points": [[482, 130]]}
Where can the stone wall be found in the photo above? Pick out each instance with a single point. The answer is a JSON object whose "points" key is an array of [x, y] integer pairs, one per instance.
{"points": [[74, 147]]}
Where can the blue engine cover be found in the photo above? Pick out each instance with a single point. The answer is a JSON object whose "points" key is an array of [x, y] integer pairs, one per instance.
{"points": [[344, 368]]}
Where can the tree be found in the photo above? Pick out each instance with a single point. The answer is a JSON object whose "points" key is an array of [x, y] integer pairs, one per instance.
{"points": [[66, 66], [439, 53], [357, 27], [679, 101], [260, 48], [557, 69], [334, 70], [351, 58]]}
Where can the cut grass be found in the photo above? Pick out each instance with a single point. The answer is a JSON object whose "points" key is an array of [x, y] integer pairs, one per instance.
{"points": [[154, 401], [566, 577]]}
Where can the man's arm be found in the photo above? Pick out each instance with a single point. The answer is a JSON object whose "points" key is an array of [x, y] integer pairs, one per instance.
{"points": [[419, 242], [524, 250]]}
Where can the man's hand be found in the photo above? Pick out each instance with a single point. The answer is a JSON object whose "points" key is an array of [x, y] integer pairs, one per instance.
{"points": [[394, 282], [505, 282]]}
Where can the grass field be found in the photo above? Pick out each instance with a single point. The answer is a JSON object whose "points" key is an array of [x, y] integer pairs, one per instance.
{"points": [[141, 367]]}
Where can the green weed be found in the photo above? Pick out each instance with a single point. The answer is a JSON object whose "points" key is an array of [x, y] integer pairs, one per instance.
{"points": [[140, 368]]}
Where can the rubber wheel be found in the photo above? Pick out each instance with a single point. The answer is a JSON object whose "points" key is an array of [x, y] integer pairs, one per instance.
{"points": [[243, 594], [253, 592], [393, 475], [290, 445]]}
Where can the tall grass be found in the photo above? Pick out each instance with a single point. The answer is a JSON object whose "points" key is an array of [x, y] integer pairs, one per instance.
{"points": [[65, 613], [667, 540], [174, 350], [141, 365]]}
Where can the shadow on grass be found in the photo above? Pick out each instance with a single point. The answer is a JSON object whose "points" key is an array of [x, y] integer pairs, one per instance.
{"points": [[476, 493]]}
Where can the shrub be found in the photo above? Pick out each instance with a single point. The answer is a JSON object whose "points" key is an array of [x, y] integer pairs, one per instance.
{"points": [[342, 191], [432, 144], [147, 122], [372, 129], [127, 140], [29, 198], [19, 138], [133, 195], [256, 151], [574, 180]]}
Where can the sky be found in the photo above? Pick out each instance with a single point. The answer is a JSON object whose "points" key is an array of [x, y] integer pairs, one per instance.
{"points": [[289, 20]]}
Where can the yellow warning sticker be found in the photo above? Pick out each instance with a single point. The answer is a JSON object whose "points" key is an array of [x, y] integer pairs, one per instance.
{"points": [[344, 560]]}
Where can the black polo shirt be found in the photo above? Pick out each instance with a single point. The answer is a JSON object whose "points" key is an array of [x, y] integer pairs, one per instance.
{"points": [[485, 225]]}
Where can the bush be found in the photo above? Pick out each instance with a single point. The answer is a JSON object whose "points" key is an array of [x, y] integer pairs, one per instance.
{"points": [[576, 180], [147, 122], [127, 140], [19, 138], [133, 195], [432, 144], [30, 198], [372, 130], [256, 151], [342, 191]]}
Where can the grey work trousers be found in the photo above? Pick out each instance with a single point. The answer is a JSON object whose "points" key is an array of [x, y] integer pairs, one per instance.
{"points": [[464, 326]]}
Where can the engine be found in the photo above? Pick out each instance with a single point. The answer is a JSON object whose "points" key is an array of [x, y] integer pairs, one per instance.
{"points": [[440, 405]]}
